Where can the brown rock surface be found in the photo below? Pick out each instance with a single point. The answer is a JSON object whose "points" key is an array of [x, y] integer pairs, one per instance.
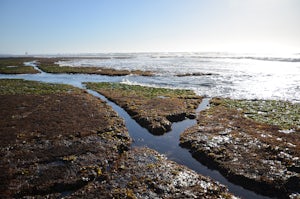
{"points": [[15, 65], [257, 155], [53, 143], [153, 108], [143, 173], [50, 65], [58, 141]]}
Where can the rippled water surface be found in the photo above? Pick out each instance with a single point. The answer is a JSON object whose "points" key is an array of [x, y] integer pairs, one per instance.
{"points": [[236, 76], [231, 75]]}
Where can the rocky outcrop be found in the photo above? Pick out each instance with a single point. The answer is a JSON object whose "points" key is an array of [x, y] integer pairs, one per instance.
{"points": [[257, 155], [195, 74], [55, 143], [51, 65], [143, 173], [60, 142], [153, 108]]}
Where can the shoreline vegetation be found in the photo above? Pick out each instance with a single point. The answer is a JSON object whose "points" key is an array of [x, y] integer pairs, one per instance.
{"points": [[59, 141], [49, 65]]}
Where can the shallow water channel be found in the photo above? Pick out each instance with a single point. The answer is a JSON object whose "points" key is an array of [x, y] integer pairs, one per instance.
{"points": [[167, 144]]}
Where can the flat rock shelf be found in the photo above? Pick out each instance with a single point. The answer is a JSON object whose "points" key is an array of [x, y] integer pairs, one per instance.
{"points": [[167, 144], [249, 145], [162, 138], [62, 142]]}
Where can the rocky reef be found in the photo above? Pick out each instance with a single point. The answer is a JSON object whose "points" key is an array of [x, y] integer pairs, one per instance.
{"points": [[50, 65], [260, 152], [195, 74], [58, 141], [15, 65], [153, 108], [143, 173], [54, 138]]}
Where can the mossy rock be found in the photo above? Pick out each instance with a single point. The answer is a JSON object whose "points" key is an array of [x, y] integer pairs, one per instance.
{"points": [[16, 66], [22, 87], [153, 108]]}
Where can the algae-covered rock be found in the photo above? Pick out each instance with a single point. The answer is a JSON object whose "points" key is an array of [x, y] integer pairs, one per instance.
{"points": [[143, 173], [51, 65], [60, 142], [54, 139], [15, 65], [153, 108], [252, 153]]}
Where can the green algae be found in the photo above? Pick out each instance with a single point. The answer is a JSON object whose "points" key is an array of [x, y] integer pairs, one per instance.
{"points": [[68, 69], [17, 70], [284, 114], [153, 108], [247, 141], [50, 65], [18, 86], [51, 139], [142, 91], [16, 66]]}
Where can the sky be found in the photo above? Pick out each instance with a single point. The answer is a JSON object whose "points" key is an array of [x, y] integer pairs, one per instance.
{"points": [[102, 26]]}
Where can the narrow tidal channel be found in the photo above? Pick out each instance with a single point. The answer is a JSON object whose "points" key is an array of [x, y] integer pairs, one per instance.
{"points": [[168, 144]]}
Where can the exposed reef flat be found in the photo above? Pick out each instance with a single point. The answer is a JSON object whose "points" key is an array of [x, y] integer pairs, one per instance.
{"points": [[143, 173], [254, 143], [194, 74], [153, 108], [16, 65], [54, 138], [50, 65], [58, 141]]}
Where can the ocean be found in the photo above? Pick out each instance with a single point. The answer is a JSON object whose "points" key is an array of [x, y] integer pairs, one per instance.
{"points": [[238, 76]]}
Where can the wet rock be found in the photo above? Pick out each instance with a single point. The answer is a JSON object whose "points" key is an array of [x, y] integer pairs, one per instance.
{"points": [[254, 154], [9, 65], [51, 65], [56, 148], [195, 74], [143, 173], [147, 106], [72, 145]]}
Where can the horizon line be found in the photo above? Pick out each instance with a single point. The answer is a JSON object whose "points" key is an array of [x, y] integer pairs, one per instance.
{"points": [[138, 52]]}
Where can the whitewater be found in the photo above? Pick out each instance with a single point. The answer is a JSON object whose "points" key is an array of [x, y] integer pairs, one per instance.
{"points": [[238, 76]]}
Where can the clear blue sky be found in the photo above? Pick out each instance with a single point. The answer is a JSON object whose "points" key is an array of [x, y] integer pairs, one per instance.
{"points": [[82, 26]]}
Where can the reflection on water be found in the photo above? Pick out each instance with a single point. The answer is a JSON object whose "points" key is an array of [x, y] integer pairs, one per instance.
{"points": [[168, 144], [236, 75]]}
